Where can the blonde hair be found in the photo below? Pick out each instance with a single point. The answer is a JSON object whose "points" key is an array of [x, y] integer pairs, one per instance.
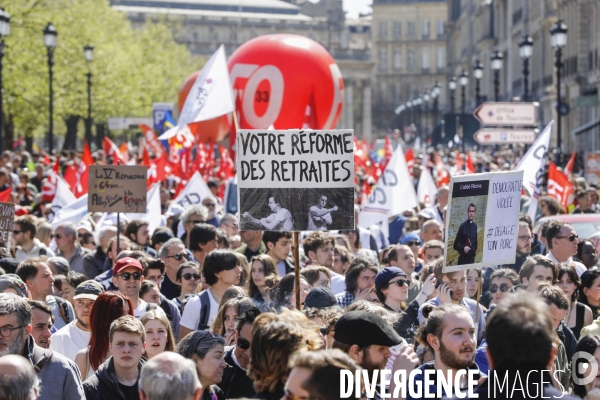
{"points": [[275, 338], [160, 315], [127, 324]]}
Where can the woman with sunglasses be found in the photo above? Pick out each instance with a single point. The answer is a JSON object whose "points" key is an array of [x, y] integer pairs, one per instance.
{"points": [[590, 291], [207, 351], [578, 315], [224, 323], [263, 278], [159, 335], [501, 283], [188, 278]]}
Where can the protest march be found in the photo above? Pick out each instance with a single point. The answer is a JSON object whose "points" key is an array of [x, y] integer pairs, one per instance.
{"points": [[296, 262]]}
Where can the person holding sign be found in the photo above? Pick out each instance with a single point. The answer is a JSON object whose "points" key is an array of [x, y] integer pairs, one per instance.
{"points": [[319, 216], [466, 238], [280, 220]]}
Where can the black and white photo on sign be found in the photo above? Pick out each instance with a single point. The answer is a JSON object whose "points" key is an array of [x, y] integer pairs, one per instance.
{"points": [[482, 220], [296, 180], [296, 209]]}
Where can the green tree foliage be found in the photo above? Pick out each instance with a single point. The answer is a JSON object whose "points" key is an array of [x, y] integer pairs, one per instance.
{"points": [[132, 68]]}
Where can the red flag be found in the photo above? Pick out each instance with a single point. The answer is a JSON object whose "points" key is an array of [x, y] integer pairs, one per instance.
{"points": [[49, 188], [559, 186], [5, 195], [470, 167], [111, 150], [225, 164], [124, 151], [570, 165], [81, 187], [152, 139], [460, 164], [46, 160], [146, 157], [70, 177], [442, 174], [86, 157], [410, 160]]}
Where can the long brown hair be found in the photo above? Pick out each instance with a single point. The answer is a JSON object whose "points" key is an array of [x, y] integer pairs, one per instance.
{"points": [[269, 270], [106, 308]]}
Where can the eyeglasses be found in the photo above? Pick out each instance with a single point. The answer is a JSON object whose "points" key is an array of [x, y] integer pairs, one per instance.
{"points": [[6, 331], [80, 234], [127, 276], [526, 238], [243, 343], [198, 221], [58, 236], [413, 243], [16, 232], [180, 256], [52, 236], [209, 205], [157, 279], [289, 396], [189, 276], [503, 288], [570, 237], [401, 282]]}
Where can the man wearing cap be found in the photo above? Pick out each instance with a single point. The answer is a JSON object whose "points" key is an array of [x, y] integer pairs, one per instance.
{"points": [[76, 335], [24, 240], [128, 277], [391, 287], [11, 283], [367, 339]]}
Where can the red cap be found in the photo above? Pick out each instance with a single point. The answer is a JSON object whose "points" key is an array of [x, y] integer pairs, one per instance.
{"points": [[127, 262]]}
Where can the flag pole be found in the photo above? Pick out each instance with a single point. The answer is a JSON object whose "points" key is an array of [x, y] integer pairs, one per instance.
{"points": [[235, 121], [297, 269]]}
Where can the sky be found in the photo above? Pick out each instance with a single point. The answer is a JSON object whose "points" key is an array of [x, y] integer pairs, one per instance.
{"points": [[353, 7]]}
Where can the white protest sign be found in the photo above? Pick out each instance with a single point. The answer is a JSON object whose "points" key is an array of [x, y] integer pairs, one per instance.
{"points": [[62, 197], [393, 194], [482, 221], [153, 212], [193, 193], [295, 180], [7, 219]]}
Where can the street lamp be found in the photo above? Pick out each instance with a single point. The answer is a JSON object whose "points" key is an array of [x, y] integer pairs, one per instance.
{"points": [[426, 97], [4, 31], [88, 53], [478, 74], [558, 39], [418, 101], [496, 65], [50, 35], [452, 87], [525, 52], [435, 93], [464, 81]]}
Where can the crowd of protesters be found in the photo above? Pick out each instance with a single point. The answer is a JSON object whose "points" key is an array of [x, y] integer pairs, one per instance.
{"points": [[198, 309]]}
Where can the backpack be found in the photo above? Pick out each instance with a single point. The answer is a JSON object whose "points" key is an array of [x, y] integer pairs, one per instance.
{"points": [[204, 310], [63, 308]]}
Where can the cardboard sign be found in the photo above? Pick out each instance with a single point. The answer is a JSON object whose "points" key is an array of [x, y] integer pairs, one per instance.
{"points": [[7, 220], [117, 188], [482, 221], [295, 180]]}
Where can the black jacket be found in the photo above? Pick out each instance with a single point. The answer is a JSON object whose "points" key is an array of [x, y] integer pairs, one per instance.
{"points": [[103, 385], [466, 236], [235, 382]]}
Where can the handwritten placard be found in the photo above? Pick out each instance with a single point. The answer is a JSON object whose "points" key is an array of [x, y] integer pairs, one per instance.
{"points": [[117, 188], [7, 219], [482, 220], [295, 180]]}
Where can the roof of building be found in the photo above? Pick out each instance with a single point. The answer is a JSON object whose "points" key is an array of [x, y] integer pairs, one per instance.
{"points": [[250, 6]]}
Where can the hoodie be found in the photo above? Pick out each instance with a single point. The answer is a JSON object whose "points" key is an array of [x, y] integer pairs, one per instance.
{"points": [[103, 385], [34, 252]]}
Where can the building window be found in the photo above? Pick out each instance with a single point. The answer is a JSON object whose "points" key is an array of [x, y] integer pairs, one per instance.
{"points": [[382, 92], [411, 60], [440, 29], [397, 30], [382, 59], [411, 29], [441, 58], [425, 59], [396, 92], [397, 59], [383, 29], [425, 29]]}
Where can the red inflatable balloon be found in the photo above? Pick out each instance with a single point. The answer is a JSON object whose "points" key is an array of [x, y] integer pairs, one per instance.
{"points": [[286, 81], [211, 130]]}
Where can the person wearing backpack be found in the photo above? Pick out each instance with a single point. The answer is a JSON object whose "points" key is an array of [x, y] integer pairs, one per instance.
{"points": [[36, 273], [221, 270]]}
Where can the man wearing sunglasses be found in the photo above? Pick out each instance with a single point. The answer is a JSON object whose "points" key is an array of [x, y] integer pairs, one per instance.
{"points": [[562, 242], [173, 254], [128, 277], [68, 246], [24, 240], [211, 205], [236, 383]]}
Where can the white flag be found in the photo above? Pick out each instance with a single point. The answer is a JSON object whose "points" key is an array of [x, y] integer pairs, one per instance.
{"points": [[210, 97], [193, 193], [533, 164], [426, 190], [393, 194], [62, 197], [153, 212], [72, 212]]}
